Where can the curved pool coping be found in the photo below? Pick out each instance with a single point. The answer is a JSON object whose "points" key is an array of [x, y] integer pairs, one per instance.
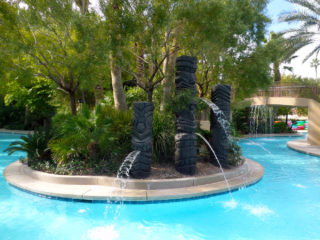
{"points": [[109, 188], [302, 145], [26, 132]]}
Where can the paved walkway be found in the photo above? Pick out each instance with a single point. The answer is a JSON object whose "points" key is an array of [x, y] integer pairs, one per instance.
{"points": [[303, 146], [107, 188]]}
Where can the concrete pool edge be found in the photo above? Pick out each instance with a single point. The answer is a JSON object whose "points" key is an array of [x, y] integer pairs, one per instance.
{"points": [[8, 131], [301, 145], [105, 188]]}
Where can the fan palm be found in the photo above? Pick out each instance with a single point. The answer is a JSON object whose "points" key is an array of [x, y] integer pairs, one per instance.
{"points": [[308, 17], [35, 146]]}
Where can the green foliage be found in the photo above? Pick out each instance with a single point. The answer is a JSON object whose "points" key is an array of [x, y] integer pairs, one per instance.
{"points": [[302, 111], [235, 153], [11, 116], [135, 95], [306, 19], [35, 145], [35, 99], [293, 79], [281, 110], [282, 127], [163, 133], [55, 41], [240, 120], [99, 137], [182, 100]]}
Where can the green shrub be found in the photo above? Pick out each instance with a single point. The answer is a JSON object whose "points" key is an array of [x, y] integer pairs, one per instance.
{"points": [[11, 115], [135, 94], [163, 133], [240, 121], [97, 139], [35, 145], [234, 153], [282, 127]]}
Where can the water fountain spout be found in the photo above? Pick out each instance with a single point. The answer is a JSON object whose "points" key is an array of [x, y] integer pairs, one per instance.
{"points": [[220, 166], [124, 170], [220, 116], [219, 131]]}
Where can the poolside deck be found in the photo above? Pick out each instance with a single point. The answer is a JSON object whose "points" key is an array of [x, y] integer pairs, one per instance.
{"points": [[107, 188], [303, 146]]}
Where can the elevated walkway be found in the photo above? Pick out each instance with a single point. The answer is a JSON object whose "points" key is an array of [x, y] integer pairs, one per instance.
{"points": [[294, 101]]}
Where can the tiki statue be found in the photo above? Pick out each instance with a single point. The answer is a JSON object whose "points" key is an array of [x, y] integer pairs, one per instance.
{"points": [[186, 140], [219, 123], [142, 139]]}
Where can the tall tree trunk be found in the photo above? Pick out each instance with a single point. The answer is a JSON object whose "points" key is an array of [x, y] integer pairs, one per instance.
{"points": [[276, 72], [117, 86], [26, 117], [168, 70], [150, 94], [73, 102]]}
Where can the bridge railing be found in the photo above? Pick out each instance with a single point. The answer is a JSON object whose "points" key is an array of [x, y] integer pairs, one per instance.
{"points": [[291, 90]]}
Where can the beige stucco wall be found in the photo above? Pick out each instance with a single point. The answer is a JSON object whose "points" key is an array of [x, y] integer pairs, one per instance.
{"points": [[314, 123], [313, 112]]}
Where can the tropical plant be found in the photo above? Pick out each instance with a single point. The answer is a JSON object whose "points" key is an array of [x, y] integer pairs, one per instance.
{"points": [[34, 145], [79, 137], [99, 137], [163, 132], [235, 153], [281, 50], [306, 18], [315, 63], [282, 127]]}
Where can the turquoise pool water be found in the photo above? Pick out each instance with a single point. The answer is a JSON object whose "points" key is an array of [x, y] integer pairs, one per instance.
{"points": [[285, 204]]}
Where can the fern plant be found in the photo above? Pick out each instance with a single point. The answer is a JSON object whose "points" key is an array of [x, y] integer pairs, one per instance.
{"points": [[90, 136], [34, 145]]}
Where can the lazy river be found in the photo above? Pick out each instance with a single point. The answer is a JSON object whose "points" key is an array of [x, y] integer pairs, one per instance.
{"points": [[285, 204]]}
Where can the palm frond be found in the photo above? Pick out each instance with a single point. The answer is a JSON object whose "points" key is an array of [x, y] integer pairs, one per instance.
{"points": [[312, 6], [316, 50]]}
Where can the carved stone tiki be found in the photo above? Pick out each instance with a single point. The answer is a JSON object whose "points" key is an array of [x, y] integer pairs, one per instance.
{"points": [[142, 139], [186, 140], [219, 123]]}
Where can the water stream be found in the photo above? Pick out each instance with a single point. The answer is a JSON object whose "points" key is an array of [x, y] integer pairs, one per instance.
{"points": [[219, 114], [124, 170], [259, 145], [220, 166], [261, 119]]}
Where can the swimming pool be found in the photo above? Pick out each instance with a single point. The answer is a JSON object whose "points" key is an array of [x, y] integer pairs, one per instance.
{"points": [[285, 204]]}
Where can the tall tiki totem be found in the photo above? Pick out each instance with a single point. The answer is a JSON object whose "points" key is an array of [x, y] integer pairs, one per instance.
{"points": [[219, 123], [185, 138], [142, 139]]}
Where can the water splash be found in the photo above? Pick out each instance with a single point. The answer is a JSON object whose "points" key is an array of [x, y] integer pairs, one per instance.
{"points": [[122, 175], [259, 145], [232, 204], [221, 117], [261, 119], [258, 211], [103, 232], [220, 166], [127, 164]]}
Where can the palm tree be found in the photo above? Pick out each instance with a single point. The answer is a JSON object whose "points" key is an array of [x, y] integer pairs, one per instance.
{"points": [[314, 64], [308, 18], [281, 51]]}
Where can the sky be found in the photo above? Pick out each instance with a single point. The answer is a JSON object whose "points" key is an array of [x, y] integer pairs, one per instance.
{"points": [[274, 10]]}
